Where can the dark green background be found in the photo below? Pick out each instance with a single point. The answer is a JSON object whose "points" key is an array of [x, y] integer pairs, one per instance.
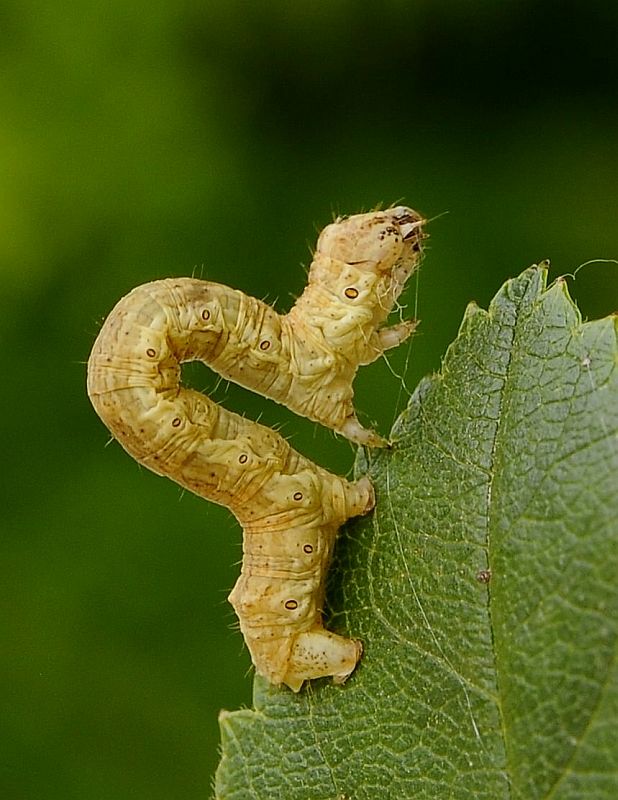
{"points": [[141, 140]]}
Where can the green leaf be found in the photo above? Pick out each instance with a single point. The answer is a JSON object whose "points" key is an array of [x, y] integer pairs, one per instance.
{"points": [[506, 463]]}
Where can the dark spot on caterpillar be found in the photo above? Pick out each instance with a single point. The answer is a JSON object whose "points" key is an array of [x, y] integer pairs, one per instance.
{"points": [[205, 315], [243, 458], [298, 495], [151, 352], [176, 422], [351, 293], [264, 345], [308, 548], [291, 605]]}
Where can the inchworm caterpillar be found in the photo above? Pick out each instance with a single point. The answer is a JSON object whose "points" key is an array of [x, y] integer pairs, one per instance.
{"points": [[290, 509]]}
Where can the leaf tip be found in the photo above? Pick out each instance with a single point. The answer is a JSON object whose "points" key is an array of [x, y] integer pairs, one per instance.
{"points": [[472, 309]]}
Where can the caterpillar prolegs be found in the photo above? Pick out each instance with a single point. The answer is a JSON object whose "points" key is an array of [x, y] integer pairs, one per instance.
{"points": [[290, 508]]}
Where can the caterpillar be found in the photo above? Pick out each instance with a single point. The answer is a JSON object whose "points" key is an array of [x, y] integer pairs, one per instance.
{"points": [[290, 509]]}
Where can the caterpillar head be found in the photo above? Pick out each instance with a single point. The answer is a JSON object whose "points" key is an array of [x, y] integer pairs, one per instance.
{"points": [[378, 242]]}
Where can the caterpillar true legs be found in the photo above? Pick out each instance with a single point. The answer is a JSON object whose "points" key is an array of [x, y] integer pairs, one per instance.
{"points": [[290, 509]]}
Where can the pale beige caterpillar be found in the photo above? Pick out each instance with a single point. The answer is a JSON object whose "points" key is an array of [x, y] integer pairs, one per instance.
{"points": [[289, 508]]}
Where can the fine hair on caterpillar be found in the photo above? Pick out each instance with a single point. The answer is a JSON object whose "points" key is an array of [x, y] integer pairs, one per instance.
{"points": [[290, 509]]}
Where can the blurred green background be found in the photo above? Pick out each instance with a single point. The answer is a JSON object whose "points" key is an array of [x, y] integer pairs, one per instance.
{"points": [[142, 140]]}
